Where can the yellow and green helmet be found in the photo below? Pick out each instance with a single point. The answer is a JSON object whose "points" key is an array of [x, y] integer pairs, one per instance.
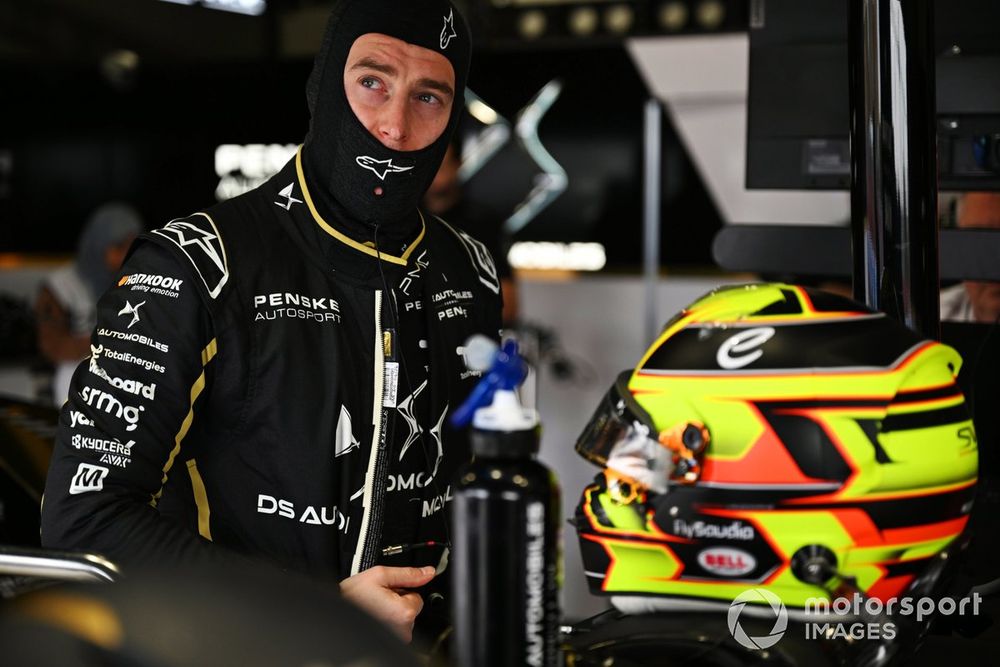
{"points": [[766, 423]]}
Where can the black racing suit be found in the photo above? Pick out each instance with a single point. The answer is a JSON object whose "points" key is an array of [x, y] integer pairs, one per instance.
{"points": [[254, 384]]}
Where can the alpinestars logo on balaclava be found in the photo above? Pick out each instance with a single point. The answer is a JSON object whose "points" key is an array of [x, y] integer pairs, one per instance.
{"points": [[380, 167], [448, 31], [343, 161]]}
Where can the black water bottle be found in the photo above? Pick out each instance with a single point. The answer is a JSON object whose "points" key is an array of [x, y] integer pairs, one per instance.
{"points": [[505, 535]]}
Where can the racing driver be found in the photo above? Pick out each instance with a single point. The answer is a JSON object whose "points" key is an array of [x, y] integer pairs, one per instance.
{"points": [[270, 377]]}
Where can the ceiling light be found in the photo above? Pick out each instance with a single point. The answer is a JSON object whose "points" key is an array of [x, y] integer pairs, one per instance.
{"points": [[710, 14], [583, 21], [673, 16], [532, 24], [619, 18]]}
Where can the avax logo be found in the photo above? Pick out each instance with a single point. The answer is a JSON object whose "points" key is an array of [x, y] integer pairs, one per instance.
{"points": [[774, 608]]}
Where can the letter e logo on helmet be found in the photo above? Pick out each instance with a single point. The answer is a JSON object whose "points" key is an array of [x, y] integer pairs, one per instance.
{"points": [[741, 350]]}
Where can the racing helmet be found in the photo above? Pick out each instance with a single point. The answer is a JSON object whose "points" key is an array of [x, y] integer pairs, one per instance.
{"points": [[769, 424]]}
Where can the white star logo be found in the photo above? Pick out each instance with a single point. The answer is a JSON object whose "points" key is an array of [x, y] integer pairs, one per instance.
{"points": [[188, 234], [448, 31], [129, 309], [406, 408], [287, 194], [380, 168]]}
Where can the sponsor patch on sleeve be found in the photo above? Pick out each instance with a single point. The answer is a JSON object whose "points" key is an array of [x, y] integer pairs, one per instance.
{"points": [[151, 283], [88, 478], [198, 238], [480, 257]]}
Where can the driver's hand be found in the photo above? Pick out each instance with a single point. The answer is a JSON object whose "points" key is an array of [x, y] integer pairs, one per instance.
{"points": [[384, 592]]}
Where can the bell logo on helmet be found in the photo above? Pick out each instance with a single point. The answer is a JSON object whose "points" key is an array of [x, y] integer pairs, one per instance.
{"points": [[774, 607], [742, 349], [448, 31], [727, 562]]}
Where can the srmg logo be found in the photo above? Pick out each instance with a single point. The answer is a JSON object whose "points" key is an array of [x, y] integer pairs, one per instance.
{"points": [[773, 607]]}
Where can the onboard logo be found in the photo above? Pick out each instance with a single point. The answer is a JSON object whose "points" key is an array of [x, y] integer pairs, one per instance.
{"points": [[285, 305], [131, 386]]}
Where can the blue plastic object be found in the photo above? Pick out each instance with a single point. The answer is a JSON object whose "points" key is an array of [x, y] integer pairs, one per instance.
{"points": [[507, 372]]}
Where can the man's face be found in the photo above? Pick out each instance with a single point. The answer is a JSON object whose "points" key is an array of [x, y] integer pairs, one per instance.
{"points": [[400, 92]]}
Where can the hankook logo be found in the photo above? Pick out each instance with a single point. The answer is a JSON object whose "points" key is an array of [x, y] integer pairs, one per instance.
{"points": [[151, 280]]}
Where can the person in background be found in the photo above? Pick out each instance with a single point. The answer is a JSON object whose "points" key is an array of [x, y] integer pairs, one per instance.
{"points": [[66, 306], [973, 300], [445, 198]]}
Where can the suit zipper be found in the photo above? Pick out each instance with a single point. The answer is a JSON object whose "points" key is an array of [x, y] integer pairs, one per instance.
{"points": [[367, 549]]}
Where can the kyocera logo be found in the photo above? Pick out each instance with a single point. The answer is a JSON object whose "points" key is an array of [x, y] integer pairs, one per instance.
{"points": [[727, 562], [324, 516], [108, 404]]}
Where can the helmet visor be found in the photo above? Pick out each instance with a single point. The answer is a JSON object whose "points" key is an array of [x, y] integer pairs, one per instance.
{"points": [[619, 419], [621, 437]]}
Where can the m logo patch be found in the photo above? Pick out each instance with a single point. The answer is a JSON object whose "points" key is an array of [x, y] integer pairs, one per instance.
{"points": [[88, 478]]}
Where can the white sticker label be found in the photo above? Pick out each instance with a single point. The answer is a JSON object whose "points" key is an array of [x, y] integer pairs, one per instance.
{"points": [[88, 478], [390, 384]]}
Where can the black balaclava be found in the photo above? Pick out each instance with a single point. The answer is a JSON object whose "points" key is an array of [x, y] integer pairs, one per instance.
{"points": [[344, 163]]}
